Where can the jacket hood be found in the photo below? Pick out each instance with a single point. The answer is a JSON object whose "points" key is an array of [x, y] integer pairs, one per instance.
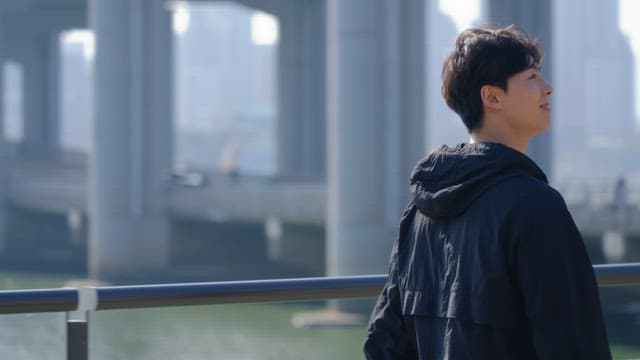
{"points": [[448, 180]]}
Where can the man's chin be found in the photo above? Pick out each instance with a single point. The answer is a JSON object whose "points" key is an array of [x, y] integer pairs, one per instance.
{"points": [[544, 125], [540, 129]]}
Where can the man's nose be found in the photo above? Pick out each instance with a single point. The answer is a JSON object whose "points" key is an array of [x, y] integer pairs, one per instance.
{"points": [[548, 89]]}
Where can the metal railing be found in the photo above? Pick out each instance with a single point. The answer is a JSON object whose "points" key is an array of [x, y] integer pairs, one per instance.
{"points": [[78, 303]]}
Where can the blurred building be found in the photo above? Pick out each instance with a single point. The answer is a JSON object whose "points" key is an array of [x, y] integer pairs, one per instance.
{"points": [[593, 104]]}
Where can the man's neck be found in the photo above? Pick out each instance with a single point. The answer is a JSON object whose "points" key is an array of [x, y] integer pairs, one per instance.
{"points": [[514, 142]]}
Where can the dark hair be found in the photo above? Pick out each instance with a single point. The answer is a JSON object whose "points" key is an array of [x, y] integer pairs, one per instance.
{"points": [[484, 56]]}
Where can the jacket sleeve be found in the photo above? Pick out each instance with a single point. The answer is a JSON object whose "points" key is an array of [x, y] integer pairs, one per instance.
{"points": [[386, 334], [556, 278]]}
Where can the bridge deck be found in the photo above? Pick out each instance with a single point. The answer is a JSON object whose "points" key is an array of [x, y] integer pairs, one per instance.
{"points": [[61, 186]]}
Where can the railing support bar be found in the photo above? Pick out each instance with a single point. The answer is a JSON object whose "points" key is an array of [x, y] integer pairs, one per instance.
{"points": [[77, 340]]}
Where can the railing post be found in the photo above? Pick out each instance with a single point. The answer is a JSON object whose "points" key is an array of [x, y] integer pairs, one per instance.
{"points": [[77, 339], [77, 324]]}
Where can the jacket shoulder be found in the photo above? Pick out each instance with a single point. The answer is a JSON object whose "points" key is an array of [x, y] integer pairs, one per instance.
{"points": [[528, 192]]}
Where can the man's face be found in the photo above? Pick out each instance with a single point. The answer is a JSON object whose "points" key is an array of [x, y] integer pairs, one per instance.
{"points": [[526, 104]]}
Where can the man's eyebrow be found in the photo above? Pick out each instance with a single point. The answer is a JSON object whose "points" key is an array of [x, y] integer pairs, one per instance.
{"points": [[537, 68]]}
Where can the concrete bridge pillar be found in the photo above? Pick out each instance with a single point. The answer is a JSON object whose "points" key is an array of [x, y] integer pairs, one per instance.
{"points": [[132, 156], [376, 97], [301, 96], [40, 57], [3, 145], [536, 19]]}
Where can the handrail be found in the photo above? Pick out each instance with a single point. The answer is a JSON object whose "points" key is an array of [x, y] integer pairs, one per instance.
{"points": [[142, 296], [127, 297], [38, 300], [617, 274]]}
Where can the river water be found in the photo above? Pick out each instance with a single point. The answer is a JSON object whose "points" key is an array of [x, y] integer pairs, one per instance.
{"points": [[230, 332]]}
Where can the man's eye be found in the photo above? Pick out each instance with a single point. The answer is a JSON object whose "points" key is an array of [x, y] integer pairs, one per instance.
{"points": [[533, 76]]}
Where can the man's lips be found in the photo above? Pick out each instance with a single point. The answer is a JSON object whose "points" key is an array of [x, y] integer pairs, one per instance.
{"points": [[546, 107]]}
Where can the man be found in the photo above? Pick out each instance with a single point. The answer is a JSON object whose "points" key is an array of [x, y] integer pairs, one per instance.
{"points": [[489, 263]]}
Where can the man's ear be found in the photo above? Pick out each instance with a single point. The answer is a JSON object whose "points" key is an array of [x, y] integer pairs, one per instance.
{"points": [[490, 96]]}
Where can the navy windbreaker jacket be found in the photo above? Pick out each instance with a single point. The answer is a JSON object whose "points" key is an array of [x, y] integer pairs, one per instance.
{"points": [[488, 264]]}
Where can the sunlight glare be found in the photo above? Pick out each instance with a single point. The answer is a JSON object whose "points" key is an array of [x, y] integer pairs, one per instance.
{"points": [[264, 29], [628, 14], [84, 37], [462, 12], [181, 19]]}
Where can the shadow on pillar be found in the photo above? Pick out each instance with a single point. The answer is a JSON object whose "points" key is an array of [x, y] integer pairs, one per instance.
{"points": [[42, 241], [234, 243], [203, 250], [300, 247]]}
